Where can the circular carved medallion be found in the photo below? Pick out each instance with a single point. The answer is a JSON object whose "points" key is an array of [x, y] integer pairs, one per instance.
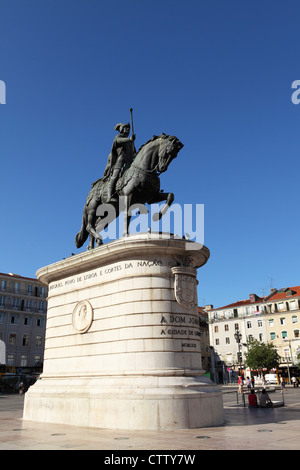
{"points": [[82, 316]]}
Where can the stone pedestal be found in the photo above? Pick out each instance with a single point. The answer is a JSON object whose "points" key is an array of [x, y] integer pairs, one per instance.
{"points": [[122, 346]]}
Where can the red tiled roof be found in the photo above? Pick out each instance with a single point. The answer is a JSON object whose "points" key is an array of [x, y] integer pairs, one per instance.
{"points": [[202, 311], [241, 303], [17, 276], [282, 293], [278, 295]]}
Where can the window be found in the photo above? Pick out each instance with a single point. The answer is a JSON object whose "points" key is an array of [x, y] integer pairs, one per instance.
{"points": [[271, 321], [296, 333], [217, 341], [294, 319], [260, 337], [272, 335], [235, 312], [10, 359], [286, 353], [226, 327], [284, 334], [236, 326], [23, 361], [27, 321], [2, 301], [281, 306], [3, 286], [42, 291], [38, 340], [14, 319], [250, 338], [259, 323], [37, 360], [282, 321], [216, 329], [12, 339], [25, 341], [28, 304], [15, 303], [2, 317], [227, 340], [17, 287], [29, 289], [293, 305], [39, 322], [249, 325]]}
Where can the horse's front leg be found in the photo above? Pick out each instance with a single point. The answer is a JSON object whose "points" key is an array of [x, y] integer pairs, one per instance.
{"points": [[127, 214], [92, 243], [168, 197]]}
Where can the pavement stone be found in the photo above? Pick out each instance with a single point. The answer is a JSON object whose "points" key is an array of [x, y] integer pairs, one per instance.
{"points": [[244, 429]]}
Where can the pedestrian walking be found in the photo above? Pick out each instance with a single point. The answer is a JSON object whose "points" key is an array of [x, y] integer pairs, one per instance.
{"points": [[248, 384], [21, 388], [252, 381], [240, 382], [282, 384]]}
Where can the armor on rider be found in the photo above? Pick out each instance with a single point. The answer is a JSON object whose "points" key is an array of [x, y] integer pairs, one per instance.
{"points": [[121, 156]]}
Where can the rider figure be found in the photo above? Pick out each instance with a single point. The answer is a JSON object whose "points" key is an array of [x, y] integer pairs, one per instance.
{"points": [[122, 153]]}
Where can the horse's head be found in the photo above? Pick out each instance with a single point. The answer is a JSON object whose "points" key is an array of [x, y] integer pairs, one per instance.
{"points": [[169, 147]]}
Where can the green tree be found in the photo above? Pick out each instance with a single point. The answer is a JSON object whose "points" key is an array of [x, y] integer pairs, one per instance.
{"points": [[261, 355]]}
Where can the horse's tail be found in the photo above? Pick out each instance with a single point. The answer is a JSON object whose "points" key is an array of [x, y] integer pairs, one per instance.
{"points": [[82, 235]]}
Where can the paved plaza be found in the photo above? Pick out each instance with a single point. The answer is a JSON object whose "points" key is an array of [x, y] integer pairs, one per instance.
{"points": [[244, 428]]}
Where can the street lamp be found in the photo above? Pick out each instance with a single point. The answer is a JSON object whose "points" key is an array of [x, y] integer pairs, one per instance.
{"points": [[238, 337]]}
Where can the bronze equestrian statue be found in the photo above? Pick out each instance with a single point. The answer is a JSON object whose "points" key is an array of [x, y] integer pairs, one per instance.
{"points": [[129, 178]]}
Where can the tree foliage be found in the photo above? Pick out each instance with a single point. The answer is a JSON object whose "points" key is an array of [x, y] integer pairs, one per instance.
{"points": [[261, 355]]}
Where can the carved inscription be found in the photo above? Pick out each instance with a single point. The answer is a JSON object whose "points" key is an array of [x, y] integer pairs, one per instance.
{"points": [[181, 326], [103, 272]]}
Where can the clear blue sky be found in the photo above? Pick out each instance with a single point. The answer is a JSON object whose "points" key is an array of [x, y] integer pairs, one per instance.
{"points": [[216, 73]]}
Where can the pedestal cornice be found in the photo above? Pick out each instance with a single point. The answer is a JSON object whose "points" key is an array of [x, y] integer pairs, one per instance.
{"points": [[135, 245]]}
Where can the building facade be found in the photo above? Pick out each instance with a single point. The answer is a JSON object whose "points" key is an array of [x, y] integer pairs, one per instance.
{"points": [[282, 317], [204, 336], [271, 319], [23, 309], [230, 329]]}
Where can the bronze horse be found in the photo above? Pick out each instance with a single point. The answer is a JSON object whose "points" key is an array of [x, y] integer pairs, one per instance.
{"points": [[139, 184]]}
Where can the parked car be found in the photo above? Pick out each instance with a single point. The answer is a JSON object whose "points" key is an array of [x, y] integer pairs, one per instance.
{"points": [[271, 379]]}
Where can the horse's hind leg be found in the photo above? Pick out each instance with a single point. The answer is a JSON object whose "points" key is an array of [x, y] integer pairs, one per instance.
{"points": [[94, 236], [168, 197]]}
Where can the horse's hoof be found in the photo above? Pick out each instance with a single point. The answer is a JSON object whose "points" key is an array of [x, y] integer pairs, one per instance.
{"points": [[157, 216]]}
